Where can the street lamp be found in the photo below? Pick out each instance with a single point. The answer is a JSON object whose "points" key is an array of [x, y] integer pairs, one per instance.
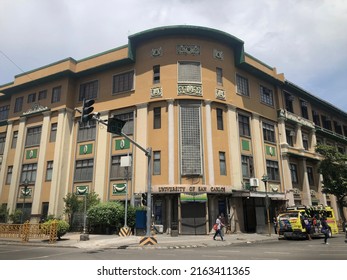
{"points": [[24, 192], [265, 179]]}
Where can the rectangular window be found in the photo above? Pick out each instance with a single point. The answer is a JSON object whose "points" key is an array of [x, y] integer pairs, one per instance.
{"points": [[49, 171], [247, 166], [305, 141], [293, 173], [157, 118], [33, 136], [2, 143], [269, 132], [56, 92], [128, 128], [86, 131], [156, 74], [304, 112], [123, 82], [191, 154], [156, 163], [242, 85], [29, 172], [53, 134], [289, 136], [89, 90], [14, 140], [84, 170], [32, 97], [4, 110], [266, 96], [316, 118], [272, 170], [9, 175], [117, 171], [189, 72], [19, 104], [219, 73], [222, 164], [220, 125], [288, 99], [310, 175], [244, 128], [42, 94]]}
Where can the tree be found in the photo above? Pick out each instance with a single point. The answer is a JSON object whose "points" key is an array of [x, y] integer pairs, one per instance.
{"points": [[333, 167]]}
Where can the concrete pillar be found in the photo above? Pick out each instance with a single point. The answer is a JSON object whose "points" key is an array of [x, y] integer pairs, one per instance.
{"points": [[168, 202], [306, 195], [298, 139], [9, 135], [287, 180], [209, 143], [171, 142]]}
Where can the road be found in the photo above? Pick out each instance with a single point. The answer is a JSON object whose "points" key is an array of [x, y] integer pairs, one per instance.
{"points": [[271, 250]]}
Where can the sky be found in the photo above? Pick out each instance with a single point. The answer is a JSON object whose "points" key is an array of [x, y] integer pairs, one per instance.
{"points": [[304, 39]]}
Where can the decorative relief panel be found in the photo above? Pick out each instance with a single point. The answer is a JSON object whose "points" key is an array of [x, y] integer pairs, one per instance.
{"points": [[194, 90], [157, 52], [220, 94], [218, 54], [188, 49], [156, 92]]}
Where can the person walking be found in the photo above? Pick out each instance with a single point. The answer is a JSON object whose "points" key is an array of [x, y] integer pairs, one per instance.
{"points": [[325, 230], [218, 229]]}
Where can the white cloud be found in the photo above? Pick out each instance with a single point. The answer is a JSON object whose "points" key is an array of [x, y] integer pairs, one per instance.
{"points": [[302, 38]]}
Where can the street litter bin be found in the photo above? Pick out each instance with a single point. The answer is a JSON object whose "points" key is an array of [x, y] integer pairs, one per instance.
{"points": [[174, 229]]}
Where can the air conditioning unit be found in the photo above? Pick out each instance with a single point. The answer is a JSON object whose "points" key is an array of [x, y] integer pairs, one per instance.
{"points": [[254, 182]]}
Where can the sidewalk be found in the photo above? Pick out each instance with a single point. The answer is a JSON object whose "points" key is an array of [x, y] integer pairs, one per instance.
{"points": [[164, 241]]}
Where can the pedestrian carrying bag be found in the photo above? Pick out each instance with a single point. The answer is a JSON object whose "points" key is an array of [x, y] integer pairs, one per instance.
{"points": [[215, 226]]}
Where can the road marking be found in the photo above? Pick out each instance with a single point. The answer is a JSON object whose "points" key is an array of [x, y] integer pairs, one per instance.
{"points": [[279, 253]]}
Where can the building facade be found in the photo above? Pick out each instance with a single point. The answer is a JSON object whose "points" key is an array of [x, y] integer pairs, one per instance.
{"points": [[216, 119]]}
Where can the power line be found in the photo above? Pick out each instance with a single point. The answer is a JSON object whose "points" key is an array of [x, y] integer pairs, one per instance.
{"points": [[7, 57]]}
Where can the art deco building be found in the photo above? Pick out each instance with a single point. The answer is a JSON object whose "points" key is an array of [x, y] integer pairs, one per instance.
{"points": [[216, 118]]}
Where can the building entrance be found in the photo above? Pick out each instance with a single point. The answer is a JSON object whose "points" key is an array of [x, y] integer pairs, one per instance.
{"points": [[193, 218]]}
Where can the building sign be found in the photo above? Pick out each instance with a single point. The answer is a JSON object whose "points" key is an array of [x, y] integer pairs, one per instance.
{"points": [[119, 189], [82, 190], [191, 189], [122, 144], [86, 149], [192, 197], [30, 154]]}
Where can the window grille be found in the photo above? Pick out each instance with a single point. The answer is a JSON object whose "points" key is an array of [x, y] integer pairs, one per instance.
{"points": [[189, 72]]}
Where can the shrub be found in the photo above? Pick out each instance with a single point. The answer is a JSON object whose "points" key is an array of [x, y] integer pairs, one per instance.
{"points": [[62, 227]]}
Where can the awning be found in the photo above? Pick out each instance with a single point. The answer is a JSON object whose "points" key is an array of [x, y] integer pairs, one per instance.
{"points": [[245, 193], [192, 197]]}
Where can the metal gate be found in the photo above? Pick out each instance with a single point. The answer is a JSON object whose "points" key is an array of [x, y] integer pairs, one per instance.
{"points": [[193, 218]]}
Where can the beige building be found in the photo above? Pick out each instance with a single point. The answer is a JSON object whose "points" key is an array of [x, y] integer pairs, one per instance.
{"points": [[217, 120]]}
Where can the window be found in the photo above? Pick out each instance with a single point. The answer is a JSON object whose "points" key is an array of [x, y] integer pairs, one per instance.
{"points": [[56, 92], [53, 134], [326, 122], [222, 164], [266, 96], [14, 139], [87, 131], [272, 170], [244, 128], [288, 99], [117, 171], [242, 85], [88, 90], [310, 175], [191, 155], [42, 94], [316, 118], [84, 170], [219, 73], [19, 104], [247, 166], [305, 141], [49, 171], [2, 143], [157, 118], [123, 82], [338, 127], [220, 125], [269, 132], [4, 110], [128, 128], [33, 136], [31, 97], [289, 136], [29, 172], [156, 74], [189, 72], [304, 112], [293, 173], [9, 175], [156, 163]]}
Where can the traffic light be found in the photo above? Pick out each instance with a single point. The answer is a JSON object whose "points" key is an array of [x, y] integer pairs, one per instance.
{"points": [[144, 199], [87, 110], [115, 125]]}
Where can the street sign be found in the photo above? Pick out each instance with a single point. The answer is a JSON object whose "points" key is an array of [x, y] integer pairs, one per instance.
{"points": [[115, 125]]}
